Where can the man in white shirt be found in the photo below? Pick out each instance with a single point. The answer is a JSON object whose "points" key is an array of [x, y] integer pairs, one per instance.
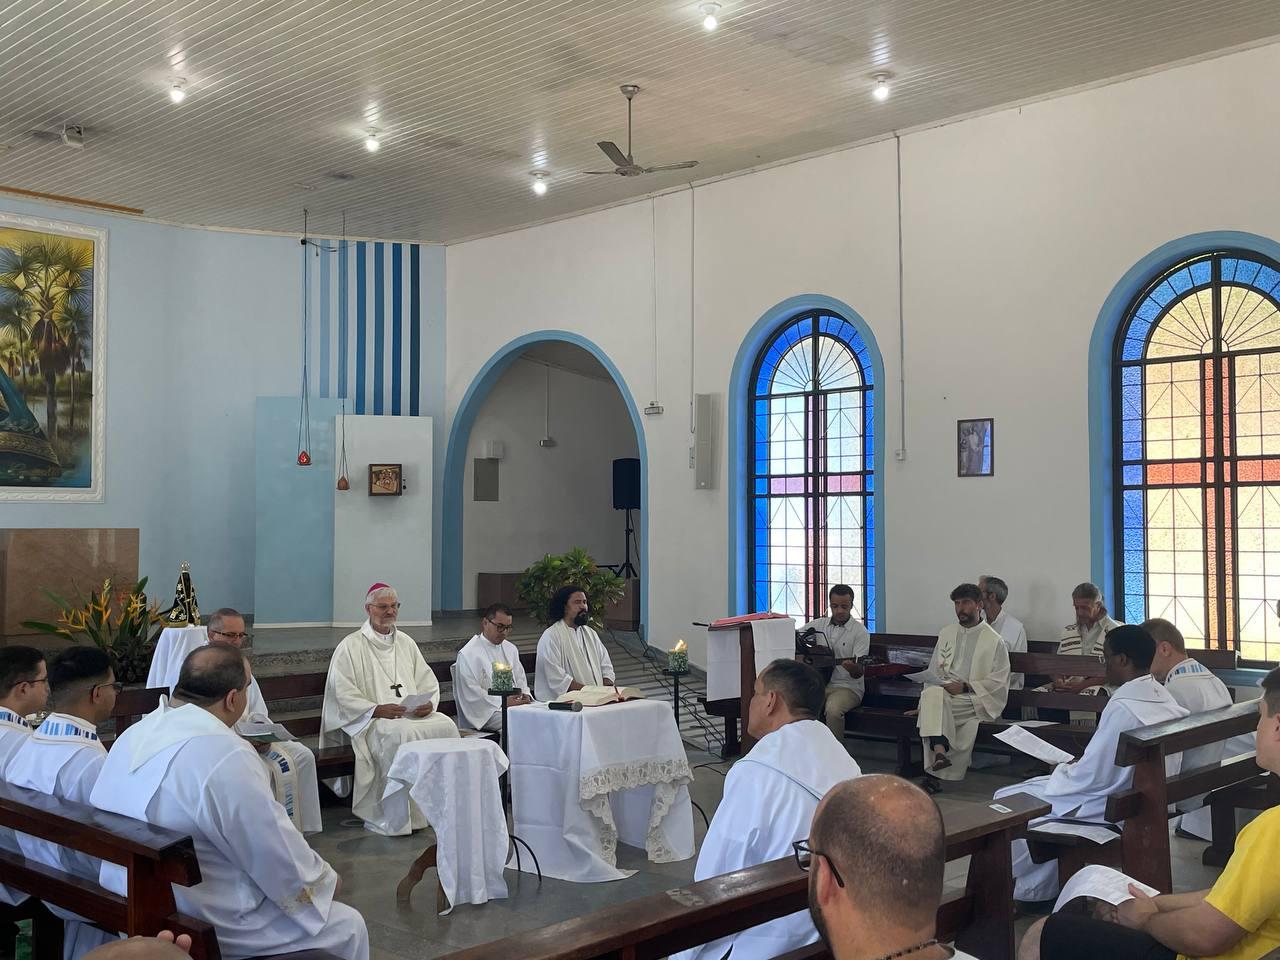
{"points": [[371, 672], [24, 690], [182, 767], [62, 759], [570, 654], [473, 672], [848, 640], [994, 594], [875, 855], [769, 799]]}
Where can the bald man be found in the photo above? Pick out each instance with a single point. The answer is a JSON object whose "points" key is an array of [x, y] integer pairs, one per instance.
{"points": [[160, 947], [875, 855]]}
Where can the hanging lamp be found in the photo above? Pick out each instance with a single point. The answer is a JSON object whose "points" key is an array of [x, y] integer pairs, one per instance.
{"points": [[343, 483], [304, 411]]}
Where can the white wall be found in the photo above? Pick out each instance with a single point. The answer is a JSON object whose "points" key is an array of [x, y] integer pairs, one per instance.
{"points": [[550, 499], [1016, 226]]}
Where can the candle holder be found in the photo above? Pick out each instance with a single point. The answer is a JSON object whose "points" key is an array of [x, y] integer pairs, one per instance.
{"points": [[501, 680], [678, 661]]}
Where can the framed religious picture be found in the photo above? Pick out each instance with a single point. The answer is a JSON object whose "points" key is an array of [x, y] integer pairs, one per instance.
{"points": [[976, 455], [53, 279], [385, 480]]}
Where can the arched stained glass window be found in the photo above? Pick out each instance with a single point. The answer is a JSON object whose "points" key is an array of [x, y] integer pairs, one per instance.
{"points": [[812, 468], [1197, 453]]}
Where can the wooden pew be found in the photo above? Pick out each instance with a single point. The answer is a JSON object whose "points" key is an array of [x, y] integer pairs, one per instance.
{"points": [[154, 858], [980, 919]]}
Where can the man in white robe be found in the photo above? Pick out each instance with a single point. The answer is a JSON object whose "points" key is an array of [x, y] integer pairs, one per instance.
{"points": [[973, 664], [473, 672], [1080, 789], [570, 654], [994, 594], [770, 796], [1195, 687], [62, 759], [24, 690], [182, 767], [372, 670], [290, 765], [848, 640], [876, 854]]}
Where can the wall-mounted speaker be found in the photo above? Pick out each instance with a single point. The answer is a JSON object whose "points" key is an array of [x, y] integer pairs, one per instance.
{"points": [[706, 423]]}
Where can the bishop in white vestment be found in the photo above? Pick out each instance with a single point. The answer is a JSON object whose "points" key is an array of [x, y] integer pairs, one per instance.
{"points": [[182, 767], [473, 672], [570, 654], [770, 796], [24, 690], [290, 765], [973, 664], [372, 670], [1079, 790], [62, 759]]}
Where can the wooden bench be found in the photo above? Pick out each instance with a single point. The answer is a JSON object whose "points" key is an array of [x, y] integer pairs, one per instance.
{"points": [[979, 919]]}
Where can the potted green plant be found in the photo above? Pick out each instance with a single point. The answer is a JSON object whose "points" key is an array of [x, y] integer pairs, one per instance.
{"points": [[118, 622], [538, 583]]}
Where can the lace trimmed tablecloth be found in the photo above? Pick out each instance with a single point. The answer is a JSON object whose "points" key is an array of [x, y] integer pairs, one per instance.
{"points": [[583, 781]]}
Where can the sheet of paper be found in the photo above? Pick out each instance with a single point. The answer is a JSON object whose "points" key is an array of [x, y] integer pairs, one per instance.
{"points": [[1032, 745], [927, 677], [1101, 883], [1031, 723], [1095, 832], [414, 700], [258, 730]]}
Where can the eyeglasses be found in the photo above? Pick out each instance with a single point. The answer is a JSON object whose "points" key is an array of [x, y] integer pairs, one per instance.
{"points": [[804, 857], [242, 636], [385, 607], [501, 627], [117, 686]]}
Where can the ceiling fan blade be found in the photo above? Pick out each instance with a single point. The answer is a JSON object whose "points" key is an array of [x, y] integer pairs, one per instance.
{"points": [[671, 166], [600, 173], [613, 153]]}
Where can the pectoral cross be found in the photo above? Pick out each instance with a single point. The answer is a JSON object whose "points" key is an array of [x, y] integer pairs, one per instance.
{"points": [[396, 687]]}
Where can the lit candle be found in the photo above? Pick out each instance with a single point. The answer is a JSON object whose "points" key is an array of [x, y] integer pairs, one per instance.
{"points": [[502, 678], [678, 658]]}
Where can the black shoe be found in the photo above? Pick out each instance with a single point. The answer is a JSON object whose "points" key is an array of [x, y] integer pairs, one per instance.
{"points": [[931, 785]]}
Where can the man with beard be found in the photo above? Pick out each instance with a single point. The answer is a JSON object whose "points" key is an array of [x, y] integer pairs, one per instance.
{"points": [[973, 664], [875, 856], [848, 640], [570, 654]]}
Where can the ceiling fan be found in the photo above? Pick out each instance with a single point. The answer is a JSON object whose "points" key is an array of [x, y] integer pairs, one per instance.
{"points": [[626, 166]]}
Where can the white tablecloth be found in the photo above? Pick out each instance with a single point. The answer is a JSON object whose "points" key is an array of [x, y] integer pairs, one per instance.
{"points": [[455, 785], [582, 781], [775, 639], [172, 648]]}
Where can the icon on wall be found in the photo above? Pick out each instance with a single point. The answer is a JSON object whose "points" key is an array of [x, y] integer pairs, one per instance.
{"points": [[977, 448], [385, 480]]}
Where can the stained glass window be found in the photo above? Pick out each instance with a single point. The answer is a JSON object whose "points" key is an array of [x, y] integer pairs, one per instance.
{"points": [[1197, 453], [812, 468]]}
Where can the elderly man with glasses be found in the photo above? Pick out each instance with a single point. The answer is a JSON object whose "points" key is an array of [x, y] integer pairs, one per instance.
{"points": [[372, 673], [473, 672]]}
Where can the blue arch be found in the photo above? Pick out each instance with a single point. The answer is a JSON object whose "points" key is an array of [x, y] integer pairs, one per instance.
{"points": [[1101, 347], [456, 459], [739, 426]]}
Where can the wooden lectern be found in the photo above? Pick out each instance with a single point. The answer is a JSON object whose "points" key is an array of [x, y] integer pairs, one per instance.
{"points": [[747, 652]]}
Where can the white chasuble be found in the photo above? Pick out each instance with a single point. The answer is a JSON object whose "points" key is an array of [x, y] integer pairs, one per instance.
{"points": [[264, 890], [569, 655], [977, 656], [770, 796], [369, 669], [1079, 790], [472, 676], [62, 759]]}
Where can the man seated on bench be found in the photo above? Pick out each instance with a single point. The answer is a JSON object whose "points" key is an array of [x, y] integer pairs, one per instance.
{"points": [[1238, 919], [769, 799], [1078, 790], [1196, 688], [1082, 639], [182, 767], [24, 690], [847, 640], [876, 854], [62, 759]]}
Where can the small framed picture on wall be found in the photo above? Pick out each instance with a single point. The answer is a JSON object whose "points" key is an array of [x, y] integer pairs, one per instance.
{"points": [[976, 448], [385, 480]]}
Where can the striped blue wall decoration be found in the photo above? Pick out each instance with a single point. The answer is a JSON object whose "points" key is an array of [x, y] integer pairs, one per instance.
{"points": [[365, 304]]}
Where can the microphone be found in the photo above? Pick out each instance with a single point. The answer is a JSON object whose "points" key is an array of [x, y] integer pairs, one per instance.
{"points": [[573, 706]]}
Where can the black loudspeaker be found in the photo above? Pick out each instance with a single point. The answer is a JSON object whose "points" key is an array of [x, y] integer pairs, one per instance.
{"points": [[626, 484]]}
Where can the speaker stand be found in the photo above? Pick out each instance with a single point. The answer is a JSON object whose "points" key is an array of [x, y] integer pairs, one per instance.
{"points": [[627, 569]]}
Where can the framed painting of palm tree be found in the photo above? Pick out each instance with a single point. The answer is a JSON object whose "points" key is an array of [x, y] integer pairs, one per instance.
{"points": [[52, 359]]}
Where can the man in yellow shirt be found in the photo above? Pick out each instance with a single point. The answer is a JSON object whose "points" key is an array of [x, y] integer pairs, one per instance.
{"points": [[1239, 919]]}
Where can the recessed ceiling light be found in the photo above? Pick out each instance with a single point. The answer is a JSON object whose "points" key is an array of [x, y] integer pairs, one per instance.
{"points": [[710, 20], [371, 142], [539, 182], [178, 90], [881, 89]]}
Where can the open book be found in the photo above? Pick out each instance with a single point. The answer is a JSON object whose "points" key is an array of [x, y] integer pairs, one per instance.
{"points": [[590, 696]]}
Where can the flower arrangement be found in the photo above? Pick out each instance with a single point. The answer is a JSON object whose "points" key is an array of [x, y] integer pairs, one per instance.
{"points": [[115, 620]]}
